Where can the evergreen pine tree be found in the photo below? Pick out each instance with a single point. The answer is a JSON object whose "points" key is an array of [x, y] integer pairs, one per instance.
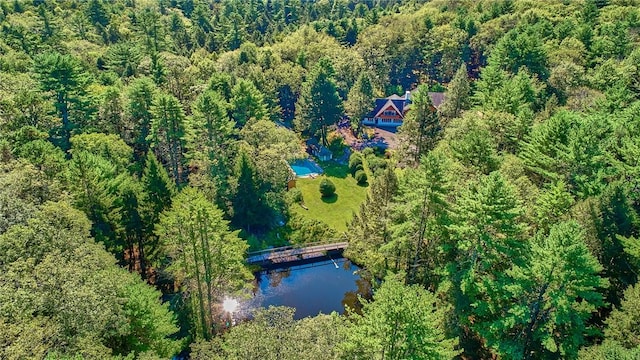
{"points": [[249, 208], [491, 80], [168, 131], [211, 145], [157, 193], [94, 183], [487, 231], [247, 103], [546, 153], [208, 258], [623, 325], [457, 95], [370, 228], [319, 105], [420, 216], [63, 76], [421, 128], [541, 308], [402, 322], [552, 206], [140, 101]]}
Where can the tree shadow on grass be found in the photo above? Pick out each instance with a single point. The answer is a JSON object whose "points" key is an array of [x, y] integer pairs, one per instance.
{"points": [[329, 199], [364, 184], [331, 169]]}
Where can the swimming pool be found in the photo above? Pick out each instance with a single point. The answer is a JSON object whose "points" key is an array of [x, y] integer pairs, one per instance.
{"points": [[304, 168]]}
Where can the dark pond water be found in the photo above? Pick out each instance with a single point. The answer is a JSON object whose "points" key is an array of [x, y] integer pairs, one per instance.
{"points": [[320, 287]]}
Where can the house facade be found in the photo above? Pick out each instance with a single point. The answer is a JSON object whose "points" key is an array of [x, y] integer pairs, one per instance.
{"points": [[390, 111]]}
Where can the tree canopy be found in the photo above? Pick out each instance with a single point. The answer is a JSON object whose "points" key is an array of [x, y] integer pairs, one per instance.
{"points": [[147, 146]]}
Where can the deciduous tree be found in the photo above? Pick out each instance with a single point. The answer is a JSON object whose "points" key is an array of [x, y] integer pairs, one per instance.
{"points": [[360, 102], [64, 294]]}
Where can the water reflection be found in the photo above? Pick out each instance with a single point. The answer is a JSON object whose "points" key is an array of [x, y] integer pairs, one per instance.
{"points": [[351, 299], [276, 277], [312, 288]]}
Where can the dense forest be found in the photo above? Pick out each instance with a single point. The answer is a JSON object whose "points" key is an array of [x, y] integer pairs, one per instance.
{"points": [[144, 150]]}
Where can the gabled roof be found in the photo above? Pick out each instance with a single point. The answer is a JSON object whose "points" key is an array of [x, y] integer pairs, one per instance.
{"points": [[388, 104], [395, 97], [401, 104], [397, 102]]}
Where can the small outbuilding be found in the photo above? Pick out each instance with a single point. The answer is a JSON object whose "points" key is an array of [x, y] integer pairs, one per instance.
{"points": [[318, 150], [323, 154]]}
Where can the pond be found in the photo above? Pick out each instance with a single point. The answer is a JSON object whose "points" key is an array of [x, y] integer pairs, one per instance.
{"points": [[320, 287]]}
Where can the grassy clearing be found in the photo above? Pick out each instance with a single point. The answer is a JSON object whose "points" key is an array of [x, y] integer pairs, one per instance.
{"points": [[337, 210]]}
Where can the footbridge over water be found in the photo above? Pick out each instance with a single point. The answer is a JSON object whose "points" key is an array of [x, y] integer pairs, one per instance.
{"points": [[285, 255]]}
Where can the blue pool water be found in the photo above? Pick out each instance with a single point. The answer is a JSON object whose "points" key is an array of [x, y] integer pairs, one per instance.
{"points": [[304, 168], [301, 170]]}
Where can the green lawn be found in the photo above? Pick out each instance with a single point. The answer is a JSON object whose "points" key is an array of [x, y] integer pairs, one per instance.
{"points": [[335, 211]]}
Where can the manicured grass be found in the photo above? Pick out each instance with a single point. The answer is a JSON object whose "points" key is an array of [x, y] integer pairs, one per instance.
{"points": [[337, 210]]}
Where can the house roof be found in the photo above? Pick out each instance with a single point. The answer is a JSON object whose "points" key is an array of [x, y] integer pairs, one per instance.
{"points": [[392, 103], [311, 142], [395, 97], [437, 98], [401, 104], [323, 151]]}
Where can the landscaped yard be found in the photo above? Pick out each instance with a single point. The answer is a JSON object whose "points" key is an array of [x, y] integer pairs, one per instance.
{"points": [[337, 210]]}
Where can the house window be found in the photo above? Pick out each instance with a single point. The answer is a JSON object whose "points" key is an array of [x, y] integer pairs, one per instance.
{"points": [[387, 120], [389, 113], [397, 121]]}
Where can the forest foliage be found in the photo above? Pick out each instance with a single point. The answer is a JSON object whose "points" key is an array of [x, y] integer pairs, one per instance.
{"points": [[143, 142]]}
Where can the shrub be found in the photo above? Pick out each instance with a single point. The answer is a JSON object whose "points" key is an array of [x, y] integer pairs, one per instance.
{"points": [[361, 177], [376, 163], [293, 196], [327, 189], [354, 160], [303, 230], [336, 143], [367, 151]]}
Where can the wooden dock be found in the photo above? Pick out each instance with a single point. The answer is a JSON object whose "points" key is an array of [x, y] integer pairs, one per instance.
{"points": [[291, 254]]}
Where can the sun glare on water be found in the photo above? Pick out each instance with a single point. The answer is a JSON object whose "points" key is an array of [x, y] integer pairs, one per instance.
{"points": [[230, 305]]}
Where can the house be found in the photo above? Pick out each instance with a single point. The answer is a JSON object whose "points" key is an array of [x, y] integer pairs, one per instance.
{"points": [[390, 111]]}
